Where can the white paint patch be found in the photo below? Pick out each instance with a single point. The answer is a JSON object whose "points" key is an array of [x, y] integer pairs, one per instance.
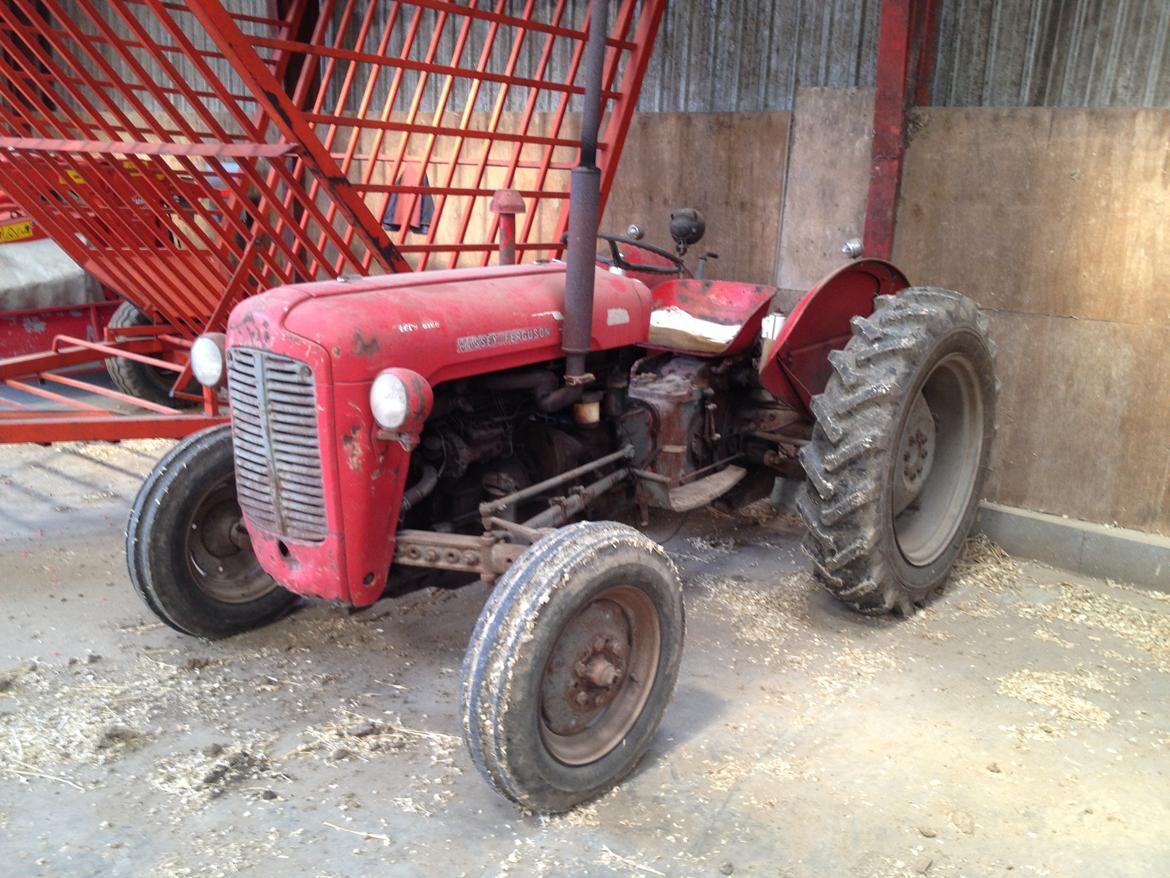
{"points": [[617, 317], [555, 315], [675, 329], [770, 331], [772, 324]]}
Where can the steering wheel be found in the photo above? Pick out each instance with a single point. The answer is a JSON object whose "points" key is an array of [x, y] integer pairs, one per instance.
{"points": [[616, 258]]}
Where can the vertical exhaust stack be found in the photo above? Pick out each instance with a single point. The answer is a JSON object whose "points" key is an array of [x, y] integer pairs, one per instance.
{"points": [[584, 204]]}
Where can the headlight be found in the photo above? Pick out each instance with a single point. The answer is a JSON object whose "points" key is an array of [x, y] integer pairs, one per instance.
{"points": [[401, 400], [207, 359], [388, 400]]}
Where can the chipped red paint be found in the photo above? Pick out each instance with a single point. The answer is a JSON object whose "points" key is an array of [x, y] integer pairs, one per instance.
{"points": [[797, 366]]}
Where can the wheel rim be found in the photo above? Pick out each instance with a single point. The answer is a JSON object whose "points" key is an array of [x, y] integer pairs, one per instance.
{"points": [[219, 552], [939, 452], [599, 675]]}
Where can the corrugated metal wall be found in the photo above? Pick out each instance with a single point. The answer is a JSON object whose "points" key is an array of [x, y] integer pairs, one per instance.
{"points": [[751, 55], [1054, 53]]}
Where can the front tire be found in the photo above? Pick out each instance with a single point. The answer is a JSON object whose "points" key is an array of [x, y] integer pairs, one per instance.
{"points": [[572, 664], [899, 451], [187, 550]]}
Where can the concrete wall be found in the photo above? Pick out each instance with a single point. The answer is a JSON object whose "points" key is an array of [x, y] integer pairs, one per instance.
{"points": [[1056, 222], [728, 165]]}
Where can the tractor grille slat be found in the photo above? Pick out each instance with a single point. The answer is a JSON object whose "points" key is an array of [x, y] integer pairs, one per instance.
{"points": [[278, 456]]}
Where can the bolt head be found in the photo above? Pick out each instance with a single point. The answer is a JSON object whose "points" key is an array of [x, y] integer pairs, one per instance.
{"points": [[582, 698]]}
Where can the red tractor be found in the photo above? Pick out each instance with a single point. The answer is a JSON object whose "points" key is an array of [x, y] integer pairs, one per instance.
{"points": [[460, 420]]}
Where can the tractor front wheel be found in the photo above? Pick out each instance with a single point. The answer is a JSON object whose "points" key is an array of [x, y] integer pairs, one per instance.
{"points": [[187, 550], [571, 665], [899, 450]]}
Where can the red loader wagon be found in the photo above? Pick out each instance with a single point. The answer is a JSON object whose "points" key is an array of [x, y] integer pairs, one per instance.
{"points": [[190, 154], [480, 419]]}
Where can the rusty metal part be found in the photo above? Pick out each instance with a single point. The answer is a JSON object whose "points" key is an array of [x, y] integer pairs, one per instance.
{"points": [[218, 550], [485, 555], [562, 509], [507, 203], [525, 533], [766, 419], [698, 493], [599, 675], [492, 507]]}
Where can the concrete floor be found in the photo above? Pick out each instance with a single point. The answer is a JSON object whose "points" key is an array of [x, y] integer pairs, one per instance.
{"points": [[1017, 726]]}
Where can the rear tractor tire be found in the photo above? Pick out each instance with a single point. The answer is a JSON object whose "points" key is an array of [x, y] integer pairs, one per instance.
{"points": [[188, 553], [142, 380], [899, 451], [572, 664]]}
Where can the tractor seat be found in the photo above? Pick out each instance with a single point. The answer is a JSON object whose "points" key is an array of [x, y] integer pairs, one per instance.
{"points": [[707, 318]]}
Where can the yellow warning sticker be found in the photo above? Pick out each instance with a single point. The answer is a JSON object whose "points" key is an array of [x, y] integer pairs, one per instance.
{"points": [[15, 231]]}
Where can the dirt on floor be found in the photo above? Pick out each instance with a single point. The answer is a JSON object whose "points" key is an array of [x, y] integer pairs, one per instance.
{"points": [[1016, 726]]}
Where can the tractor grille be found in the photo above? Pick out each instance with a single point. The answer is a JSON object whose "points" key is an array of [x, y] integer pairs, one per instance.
{"points": [[274, 429]]}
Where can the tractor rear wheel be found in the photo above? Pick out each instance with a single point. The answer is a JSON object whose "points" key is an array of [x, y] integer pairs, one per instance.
{"points": [[899, 450], [188, 553], [571, 665], [141, 380]]}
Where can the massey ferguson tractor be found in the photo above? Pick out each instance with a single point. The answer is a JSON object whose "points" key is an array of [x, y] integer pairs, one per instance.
{"points": [[494, 421]]}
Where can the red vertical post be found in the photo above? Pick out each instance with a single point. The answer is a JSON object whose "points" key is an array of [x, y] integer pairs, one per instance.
{"points": [[507, 203], [904, 66]]}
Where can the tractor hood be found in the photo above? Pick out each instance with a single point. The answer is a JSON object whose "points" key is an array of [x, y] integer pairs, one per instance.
{"points": [[442, 324]]}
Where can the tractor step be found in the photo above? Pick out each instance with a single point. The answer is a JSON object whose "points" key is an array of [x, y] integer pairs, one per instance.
{"points": [[702, 491]]}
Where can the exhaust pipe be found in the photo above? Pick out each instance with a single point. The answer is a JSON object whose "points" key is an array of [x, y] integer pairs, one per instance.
{"points": [[584, 203]]}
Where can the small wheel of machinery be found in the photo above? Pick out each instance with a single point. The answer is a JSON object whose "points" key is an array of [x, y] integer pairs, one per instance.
{"points": [[140, 379], [571, 665], [187, 550]]}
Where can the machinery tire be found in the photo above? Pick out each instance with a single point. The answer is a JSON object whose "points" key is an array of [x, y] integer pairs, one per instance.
{"points": [[138, 379], [185, 521], [596, 592], [899, 450]]}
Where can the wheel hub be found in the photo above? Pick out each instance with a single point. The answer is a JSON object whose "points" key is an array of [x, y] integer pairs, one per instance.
{"points": [[916, 455], [586, 670], [599, 674], [219, 550]]}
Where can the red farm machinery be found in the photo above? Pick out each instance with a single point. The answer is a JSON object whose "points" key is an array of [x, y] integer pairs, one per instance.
{"points": [[483, 417]]}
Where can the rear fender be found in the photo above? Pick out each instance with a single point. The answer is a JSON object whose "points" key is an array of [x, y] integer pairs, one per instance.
{"points": [[796, 367]]}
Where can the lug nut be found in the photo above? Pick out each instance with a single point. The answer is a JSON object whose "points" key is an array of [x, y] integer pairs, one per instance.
{"points": [[598, 643], [579, 669], [619, 648], [582, 698]]}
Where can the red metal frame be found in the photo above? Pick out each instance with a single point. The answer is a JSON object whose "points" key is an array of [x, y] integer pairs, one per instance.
{"points": [[905, 65], [26, 330], [188, 173]]}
